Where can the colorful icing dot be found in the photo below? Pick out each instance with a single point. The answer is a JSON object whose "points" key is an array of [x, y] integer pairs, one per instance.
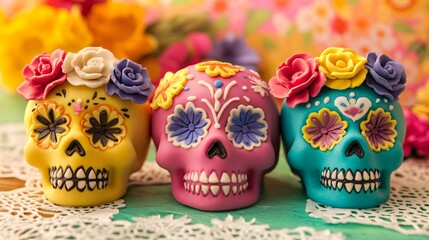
{"points": [[377, 100], [352, 94], [186, 88], [391, 107], [308, 105], [244, 88], [326, 100], [190, 77], [385, 100], [244, 76], [218, 83], [246, 98], [317, 103]]}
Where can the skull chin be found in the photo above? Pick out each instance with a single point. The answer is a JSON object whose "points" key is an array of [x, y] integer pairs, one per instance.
{"points": [[215, 190]]}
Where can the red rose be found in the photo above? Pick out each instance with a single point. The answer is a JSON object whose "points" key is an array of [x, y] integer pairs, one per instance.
{"points": [[298, 79], [42, 74]]}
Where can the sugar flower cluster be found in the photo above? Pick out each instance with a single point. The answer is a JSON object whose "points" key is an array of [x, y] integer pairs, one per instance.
{"points": [[302, 76], [92, 67]]}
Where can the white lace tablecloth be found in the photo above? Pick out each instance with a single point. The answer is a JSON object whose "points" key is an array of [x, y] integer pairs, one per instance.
{"points": [[26, 214]]}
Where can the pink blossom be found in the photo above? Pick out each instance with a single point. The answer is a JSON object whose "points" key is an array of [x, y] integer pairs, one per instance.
{"points": [[191, 50], [417, 134], [85, 5]]}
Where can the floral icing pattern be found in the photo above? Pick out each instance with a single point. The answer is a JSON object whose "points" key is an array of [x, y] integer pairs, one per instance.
{"points": [[49, 124], [42, 75], [216, 68], [246, 127], [91, 67], [324, 129], [130, 81], [259, 86], [386, 76], [169, 86], [186, 127], [104, 127], [379, 130], [343, 68]]}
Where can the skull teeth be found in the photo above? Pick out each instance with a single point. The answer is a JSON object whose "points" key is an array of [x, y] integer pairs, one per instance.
{"points": [[213, 184], [81, 179], [351, 181]]}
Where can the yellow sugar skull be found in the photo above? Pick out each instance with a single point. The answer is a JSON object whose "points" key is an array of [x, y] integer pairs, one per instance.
{"points": [[90, 131]]}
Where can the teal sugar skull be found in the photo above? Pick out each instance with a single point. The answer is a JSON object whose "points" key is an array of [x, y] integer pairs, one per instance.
{"points": [[343, 139]]}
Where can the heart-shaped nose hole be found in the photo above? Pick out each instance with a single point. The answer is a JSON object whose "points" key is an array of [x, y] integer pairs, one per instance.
{"points": [[75, 146], [216, 149], [355, 148]]}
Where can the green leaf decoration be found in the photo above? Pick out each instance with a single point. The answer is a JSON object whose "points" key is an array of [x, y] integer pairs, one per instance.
{"points": [[403, 27], [308, 38], [255, 19], [269, 44]]}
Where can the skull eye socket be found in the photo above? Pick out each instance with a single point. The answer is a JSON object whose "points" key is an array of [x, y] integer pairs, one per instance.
{"points": [[186, 127], [104, 126], [324, 129], [49, 124], [379, 130], [246, 127]]}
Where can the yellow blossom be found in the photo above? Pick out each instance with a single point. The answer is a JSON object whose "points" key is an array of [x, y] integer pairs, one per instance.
{"points": [[70, 31], [422, 106], [25, 36], [120, 27], [343, 68]]}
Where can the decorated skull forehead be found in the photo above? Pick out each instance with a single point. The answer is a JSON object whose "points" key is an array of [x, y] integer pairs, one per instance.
{"points": [[342, 126], [87, 122], [215, 127]]}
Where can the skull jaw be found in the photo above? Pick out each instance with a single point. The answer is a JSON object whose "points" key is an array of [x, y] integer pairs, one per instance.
{"points": [[207, 201], [76, 198], [343, 198]]}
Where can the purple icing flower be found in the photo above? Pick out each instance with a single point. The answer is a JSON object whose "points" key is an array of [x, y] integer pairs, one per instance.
{"points": [[386, 76], [235, 50], [324, 129], [130, 81], [379, 130]]}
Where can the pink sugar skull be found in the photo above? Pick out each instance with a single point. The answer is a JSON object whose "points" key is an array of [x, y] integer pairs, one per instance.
{"points": [[216, 130]]}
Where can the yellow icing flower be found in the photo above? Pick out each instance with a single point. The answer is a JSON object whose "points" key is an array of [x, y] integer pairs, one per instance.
{"points": [[324, 129], [169, 86], [25, 36], [49, 124], [120, 28], [343, 68], [216, 68], [70, 31]]}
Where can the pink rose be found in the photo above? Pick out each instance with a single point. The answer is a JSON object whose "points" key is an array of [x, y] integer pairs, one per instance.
{"points": [[42, 74], [191, 50], [416, 135], [298, 79]]}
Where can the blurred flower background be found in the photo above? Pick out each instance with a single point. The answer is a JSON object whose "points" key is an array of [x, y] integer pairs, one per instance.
{"points": [[166, 35]]}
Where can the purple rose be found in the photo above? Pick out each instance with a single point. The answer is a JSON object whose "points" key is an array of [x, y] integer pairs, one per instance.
{"points": [[386, 76], [130, 81]]}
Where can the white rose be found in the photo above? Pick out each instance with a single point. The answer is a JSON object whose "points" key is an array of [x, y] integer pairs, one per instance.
{"points": [[91, 66]]}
